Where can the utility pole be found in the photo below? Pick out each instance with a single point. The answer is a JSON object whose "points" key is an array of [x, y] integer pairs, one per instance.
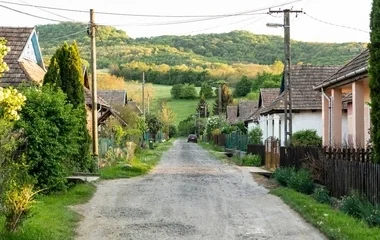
{"points": [[148, 103], [143, 94], [220, 100], [287, 73], [95, 149]]}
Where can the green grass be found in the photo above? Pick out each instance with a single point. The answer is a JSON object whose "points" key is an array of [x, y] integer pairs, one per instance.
{"points": [[144, 161], [181, 108], [50, 217], [218, 153], [333, 223]]}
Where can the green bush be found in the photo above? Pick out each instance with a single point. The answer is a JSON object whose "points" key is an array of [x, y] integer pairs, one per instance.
{"points": [[255, 136], [251, 160], [283, 175], [321, 195], [176, 91], [306, 138], [356, 206], [352, 205], [188, 92], [52, 129], [302, 182]]}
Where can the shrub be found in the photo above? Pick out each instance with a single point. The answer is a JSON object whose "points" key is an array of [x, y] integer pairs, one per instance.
{"points": [[306, 138], [302, 182], [352, 205], [283, 175], [321, 195], [358, 207], [255, 136], [188, 92], [251, 160], [52, 128], [206, 90], [176, 91]]}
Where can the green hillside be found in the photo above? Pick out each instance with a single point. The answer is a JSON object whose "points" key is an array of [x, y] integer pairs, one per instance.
{"points": [[115, 47]]}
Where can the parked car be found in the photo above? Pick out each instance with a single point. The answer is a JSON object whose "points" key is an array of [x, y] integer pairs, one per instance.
{"points": [[192, 138]]}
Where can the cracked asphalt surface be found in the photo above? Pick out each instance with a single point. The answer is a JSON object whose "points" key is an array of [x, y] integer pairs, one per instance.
{"points": [[189, 195]]}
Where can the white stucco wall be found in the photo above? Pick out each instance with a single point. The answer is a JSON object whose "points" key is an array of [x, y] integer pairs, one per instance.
{"points": [[252, 125], [28, 52]]}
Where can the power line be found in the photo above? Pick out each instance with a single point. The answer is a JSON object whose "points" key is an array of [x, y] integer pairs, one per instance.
{"points": [[68, 35], [336, 25], [205, 29], [58, 15], [29, 14], [150, 15]]}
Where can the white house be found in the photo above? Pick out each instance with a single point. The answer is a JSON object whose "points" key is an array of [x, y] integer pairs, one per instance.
{"points": [[306, 103], [266, 97]]}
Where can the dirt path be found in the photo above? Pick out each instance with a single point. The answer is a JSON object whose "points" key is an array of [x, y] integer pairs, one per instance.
{"points": [[189, 195]]}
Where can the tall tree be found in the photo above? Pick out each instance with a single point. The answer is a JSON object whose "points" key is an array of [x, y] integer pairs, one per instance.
{"points": [[374, 73], [65, 72], [166, 117], [243, 87], [202, 108], [226, 100], [206, 90]]}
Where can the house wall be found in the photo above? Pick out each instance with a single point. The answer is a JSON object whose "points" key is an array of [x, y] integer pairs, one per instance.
{"points": [[366, 118], [252, 125], [29, 52]]}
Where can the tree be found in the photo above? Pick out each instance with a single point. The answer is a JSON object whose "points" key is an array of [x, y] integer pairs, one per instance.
{"points": [[202, 108], [65, 73], [176, 91], [188, 92], [255, 136], [166, 117], [226, 100], [243, 87], [374, 73], [153, 123], [51, 127], [206, 90]]}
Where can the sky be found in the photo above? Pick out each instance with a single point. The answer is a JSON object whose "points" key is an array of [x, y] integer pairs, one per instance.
{"points": [[321, 20]]}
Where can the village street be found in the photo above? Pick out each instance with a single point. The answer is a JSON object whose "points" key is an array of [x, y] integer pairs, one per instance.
{"points": [[189, 195]]}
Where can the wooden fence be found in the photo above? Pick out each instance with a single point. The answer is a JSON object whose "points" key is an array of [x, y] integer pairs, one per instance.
{"points": [[219, 140], [341, 170], [257, 150], [341, 177]]}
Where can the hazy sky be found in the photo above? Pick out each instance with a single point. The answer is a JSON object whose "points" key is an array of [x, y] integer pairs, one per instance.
{"points": [[350, 13]]}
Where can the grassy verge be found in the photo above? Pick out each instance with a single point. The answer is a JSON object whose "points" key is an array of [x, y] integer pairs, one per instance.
{"points": [[50, 217], [218, 152], [143, 163], [333, 223]]}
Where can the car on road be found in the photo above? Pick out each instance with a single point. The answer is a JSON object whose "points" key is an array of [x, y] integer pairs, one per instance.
{"points": [[192, 138]]}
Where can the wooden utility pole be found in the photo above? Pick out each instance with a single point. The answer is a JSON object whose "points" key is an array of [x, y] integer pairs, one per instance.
{"points": [[143, 94], [95, 149], [220, 100], [287, 76]]}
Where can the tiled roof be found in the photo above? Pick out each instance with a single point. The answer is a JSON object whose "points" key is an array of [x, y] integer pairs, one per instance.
{"points": [[114, 97], [304, 97], [356, 68], [88, 98], [267, 95], [17, 38], [246, 108]]}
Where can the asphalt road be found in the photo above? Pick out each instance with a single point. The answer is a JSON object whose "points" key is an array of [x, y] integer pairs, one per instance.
{"points": [[189, 195]]}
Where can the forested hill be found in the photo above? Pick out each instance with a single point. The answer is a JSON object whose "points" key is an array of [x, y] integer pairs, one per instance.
{"points": [[115, 47], [244, 46]]}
